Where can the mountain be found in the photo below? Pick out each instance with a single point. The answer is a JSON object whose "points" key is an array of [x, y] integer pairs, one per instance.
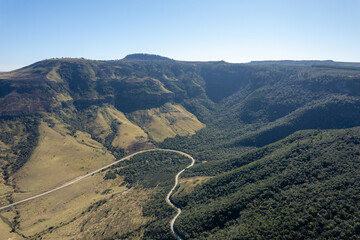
{"points": [[63, 118], [146, 57]]}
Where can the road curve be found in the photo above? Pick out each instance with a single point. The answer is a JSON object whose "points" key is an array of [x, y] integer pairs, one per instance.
{"points": [[111, 164], [172, 190]]}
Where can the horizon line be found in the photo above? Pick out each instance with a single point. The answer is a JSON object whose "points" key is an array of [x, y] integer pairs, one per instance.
{"points": [[10, 68]]}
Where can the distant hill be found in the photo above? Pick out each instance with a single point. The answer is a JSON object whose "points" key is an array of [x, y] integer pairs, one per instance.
{"points": [[147, 57]]}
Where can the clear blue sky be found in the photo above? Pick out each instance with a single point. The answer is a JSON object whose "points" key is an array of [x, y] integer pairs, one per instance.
{"points": [[230, 30]]}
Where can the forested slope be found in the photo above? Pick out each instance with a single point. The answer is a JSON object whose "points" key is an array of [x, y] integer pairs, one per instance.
{"points": [[303, 187]]}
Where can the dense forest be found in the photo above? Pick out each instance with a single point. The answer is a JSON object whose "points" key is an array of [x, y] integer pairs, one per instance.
{"points": [[305, 186]]}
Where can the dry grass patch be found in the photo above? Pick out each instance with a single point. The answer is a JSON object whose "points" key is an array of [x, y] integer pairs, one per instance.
{"points": [[167, 121], [53, 75], [6, 219], [101, 125], [59, 158], [62, 207], [85, 138], [187, 185], [127, 133], [5, 232], [161, 86], [120, 215]]}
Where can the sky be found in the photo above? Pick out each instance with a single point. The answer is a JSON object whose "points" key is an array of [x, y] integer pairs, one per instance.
{"points": [[194, 30]]}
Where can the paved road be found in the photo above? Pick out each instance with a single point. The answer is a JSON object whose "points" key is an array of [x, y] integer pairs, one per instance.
{"points": [[111, 164], [172, 190]]}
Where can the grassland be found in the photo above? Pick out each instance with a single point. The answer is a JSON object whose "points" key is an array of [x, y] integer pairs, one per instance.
{"points": [[58, 158], [53, 75], [128, 133], [167, 121], [64, 206], [121, 215], [6, 233], [96, 208], [112, 125]]}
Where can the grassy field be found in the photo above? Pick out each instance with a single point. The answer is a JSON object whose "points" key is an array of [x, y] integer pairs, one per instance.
{"points": [[91, 209], [62, 155], [53, 75], [101, 125], [62, 207], [104, 209], [58, 158], [127, 133], [187, 185], [122, 214], [6, 233], [167, 121]]}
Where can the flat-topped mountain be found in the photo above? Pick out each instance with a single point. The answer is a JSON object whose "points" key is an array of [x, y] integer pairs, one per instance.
{"points": [[147, 57]]}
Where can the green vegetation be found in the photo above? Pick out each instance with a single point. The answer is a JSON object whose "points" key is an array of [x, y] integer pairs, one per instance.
{"points": [[20, 135], [158, 208], [305, 186], [26, 148], [154, 170], [109, 175], [5, 88]]}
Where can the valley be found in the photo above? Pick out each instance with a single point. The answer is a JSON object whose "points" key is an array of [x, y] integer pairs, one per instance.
{"points": [[276, 145]]}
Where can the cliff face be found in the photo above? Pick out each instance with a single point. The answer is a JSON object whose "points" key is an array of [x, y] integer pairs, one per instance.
{"points": [[125, 84]]}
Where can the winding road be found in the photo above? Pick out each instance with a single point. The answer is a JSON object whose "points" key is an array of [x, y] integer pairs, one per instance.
{"points": [[172, 190], [116, 162]]}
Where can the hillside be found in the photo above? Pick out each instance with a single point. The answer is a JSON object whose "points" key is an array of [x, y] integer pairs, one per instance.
{"points": [[303, 187], [63, 118]]}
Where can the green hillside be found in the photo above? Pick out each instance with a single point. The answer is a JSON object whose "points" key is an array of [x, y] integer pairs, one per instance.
{"points": [[303, 187]]}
